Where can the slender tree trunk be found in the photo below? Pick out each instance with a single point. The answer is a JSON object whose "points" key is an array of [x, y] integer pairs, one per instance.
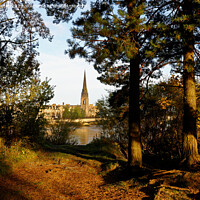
{"points": [[134, 148], [190, 148]]}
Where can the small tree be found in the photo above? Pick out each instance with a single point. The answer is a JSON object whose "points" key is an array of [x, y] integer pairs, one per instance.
{"points": [[161, 114], [23, 95], [61, 132], [62, 129], [114, 122]]}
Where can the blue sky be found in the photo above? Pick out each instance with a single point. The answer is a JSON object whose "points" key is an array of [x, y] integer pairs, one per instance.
{"points": [[65, 73]]}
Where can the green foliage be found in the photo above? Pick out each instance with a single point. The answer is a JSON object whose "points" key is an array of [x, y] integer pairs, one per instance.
{"points": [[161, 124], [61, 131], [105, 146], [18, 152], [61, 10], [73, 113], [110, 37], [23, 95], [21, 16], [114, 123], [161, 118], [178, 25]]}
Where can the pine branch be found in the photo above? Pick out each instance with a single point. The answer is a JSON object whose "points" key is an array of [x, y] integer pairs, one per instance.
{"points": [[13, 42], [6, 20]]}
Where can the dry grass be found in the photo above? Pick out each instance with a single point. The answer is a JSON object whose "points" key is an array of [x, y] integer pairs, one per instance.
{"points": [[76, 173]]}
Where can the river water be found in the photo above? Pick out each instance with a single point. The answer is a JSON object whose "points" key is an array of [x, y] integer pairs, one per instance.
{"points": [[86, 134]]}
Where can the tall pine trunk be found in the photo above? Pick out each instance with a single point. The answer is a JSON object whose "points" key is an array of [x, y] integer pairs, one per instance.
{"points": [[190, 148], [134, 147]]}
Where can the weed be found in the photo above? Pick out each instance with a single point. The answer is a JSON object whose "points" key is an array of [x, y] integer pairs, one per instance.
{"points": [[122, 184], [17, 152], [112, 166]]}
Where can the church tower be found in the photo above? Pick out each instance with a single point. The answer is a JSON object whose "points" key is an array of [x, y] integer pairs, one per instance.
{"points": [[84, 97]]}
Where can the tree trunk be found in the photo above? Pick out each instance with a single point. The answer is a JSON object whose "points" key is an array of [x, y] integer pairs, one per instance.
{"points": [[134, 148], [190, 148]]}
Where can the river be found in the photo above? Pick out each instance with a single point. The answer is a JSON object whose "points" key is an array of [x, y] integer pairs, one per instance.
{"points": [[86, 134]]}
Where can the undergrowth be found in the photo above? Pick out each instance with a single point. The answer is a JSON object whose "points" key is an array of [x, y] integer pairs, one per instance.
{"points": [[18, 152], [100, 150], [104, 146]]}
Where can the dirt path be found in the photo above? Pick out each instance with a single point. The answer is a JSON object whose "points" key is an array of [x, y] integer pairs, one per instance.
{"points": [[76, 176], [63, 179]]}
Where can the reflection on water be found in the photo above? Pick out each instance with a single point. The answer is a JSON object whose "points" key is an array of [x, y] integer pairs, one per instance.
{"points": [[85, 134]]}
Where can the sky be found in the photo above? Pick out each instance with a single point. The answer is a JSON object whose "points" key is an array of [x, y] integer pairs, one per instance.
{"points": [[65, 73]]}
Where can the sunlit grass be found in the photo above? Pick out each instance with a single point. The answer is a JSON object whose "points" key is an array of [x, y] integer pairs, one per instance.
{"points": [[100, 160], [15, 154]]}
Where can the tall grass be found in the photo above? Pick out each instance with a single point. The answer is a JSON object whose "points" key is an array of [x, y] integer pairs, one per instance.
{"points": [[18, 152], [105, 146]]}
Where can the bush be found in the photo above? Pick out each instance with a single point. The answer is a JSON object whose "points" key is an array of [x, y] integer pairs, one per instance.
{"points": [[60, 132], [107, 147]]}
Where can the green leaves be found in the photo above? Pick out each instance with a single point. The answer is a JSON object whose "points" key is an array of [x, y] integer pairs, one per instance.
{"points": [[23, 95], [73, 113]]}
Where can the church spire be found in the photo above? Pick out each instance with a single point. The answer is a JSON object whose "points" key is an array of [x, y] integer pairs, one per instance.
{"points": [[84, 90], [84, 97]]}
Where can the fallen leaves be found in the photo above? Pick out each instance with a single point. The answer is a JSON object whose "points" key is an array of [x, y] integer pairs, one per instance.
{"points": [[69, 179]]}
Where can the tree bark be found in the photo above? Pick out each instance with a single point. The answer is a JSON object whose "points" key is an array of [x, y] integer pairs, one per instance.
{"points": [[190, 148], [134, 148]]}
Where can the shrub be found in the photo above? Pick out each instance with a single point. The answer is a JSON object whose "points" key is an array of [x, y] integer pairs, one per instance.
{"points": [[60, 132]]}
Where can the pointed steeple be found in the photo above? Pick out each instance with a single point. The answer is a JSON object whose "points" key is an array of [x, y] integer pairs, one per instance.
{"points": [[84, 90], [84, 97]]}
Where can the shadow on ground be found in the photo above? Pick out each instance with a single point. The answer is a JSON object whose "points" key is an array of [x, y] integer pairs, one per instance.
{"points": [[85, 152], [10, 194], [158, 179], [5, 168]]}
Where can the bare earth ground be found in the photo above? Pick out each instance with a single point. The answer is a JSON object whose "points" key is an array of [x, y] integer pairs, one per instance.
{"points": [[61, 179], [73, 177]]}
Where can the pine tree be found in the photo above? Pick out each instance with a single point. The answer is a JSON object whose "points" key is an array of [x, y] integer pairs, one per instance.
{"points": [[134, 147], [179, 29], [116, 37], [190, 147], [62, 10]]}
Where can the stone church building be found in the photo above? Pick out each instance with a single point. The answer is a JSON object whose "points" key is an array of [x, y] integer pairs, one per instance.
{"points": [[56, 111]]}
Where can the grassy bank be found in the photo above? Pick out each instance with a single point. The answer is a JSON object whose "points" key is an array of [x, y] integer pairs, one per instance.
{"points": [[94, 171]]}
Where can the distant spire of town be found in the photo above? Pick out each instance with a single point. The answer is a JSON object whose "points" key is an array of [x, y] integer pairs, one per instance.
{"points": [[54, 111], [84, 97], [84, 90]]}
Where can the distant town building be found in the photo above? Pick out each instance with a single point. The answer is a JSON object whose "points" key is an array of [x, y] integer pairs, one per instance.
{"points": [[56, 111]]}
